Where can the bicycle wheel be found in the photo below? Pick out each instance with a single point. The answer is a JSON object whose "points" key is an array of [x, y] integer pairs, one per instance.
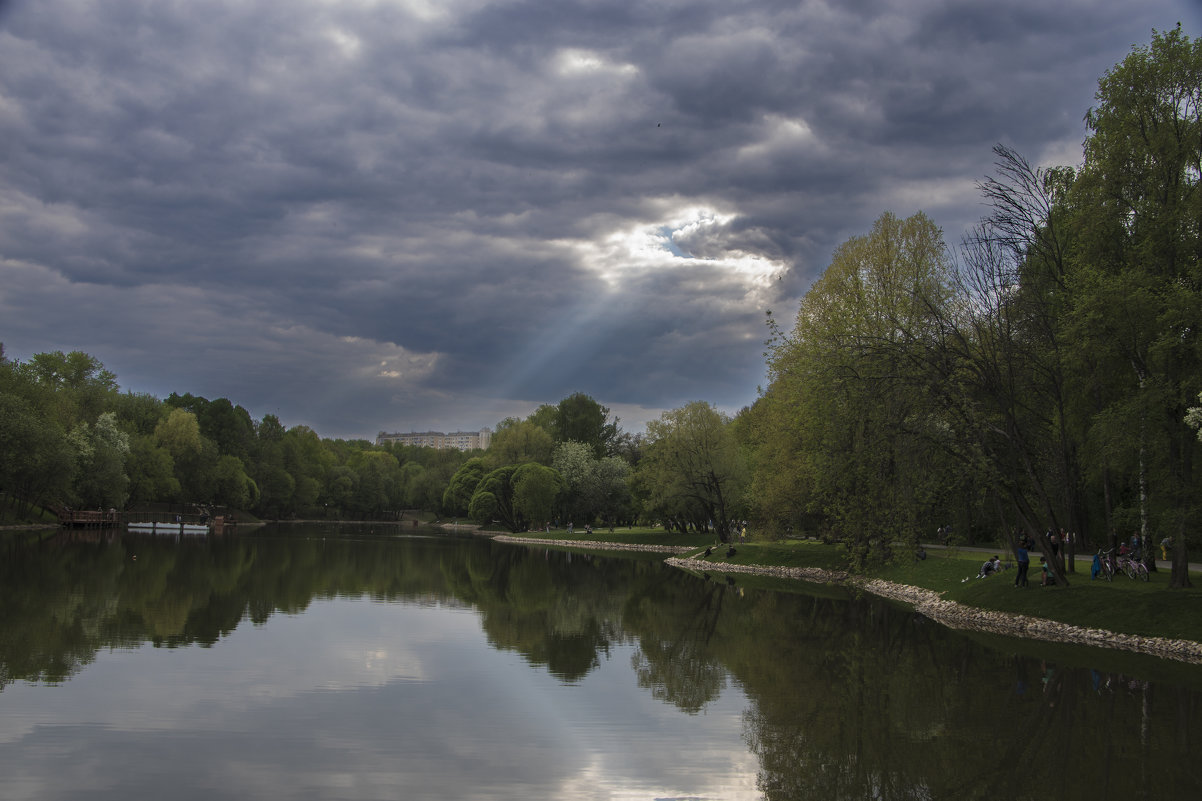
{"points": [[1129, 569], [1142, 573], [1107, 571]]}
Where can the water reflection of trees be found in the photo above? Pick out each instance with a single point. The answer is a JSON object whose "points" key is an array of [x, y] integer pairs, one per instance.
{"points": [[676, 620], [870, 702], [863, 700], [64, 598], [848, 699]]}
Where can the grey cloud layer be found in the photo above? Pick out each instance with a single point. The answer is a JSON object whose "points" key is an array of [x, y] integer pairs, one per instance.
{"points": [[365, 215]]}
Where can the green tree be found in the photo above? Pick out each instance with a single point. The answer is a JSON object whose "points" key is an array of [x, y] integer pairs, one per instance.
{"points": [[151, 471], [190, 452], [458, 495], [693, 468], [276, 486], [1193, 417], [535, 489], [493, 500], [1002, 365], [81, 386], [545, 417], [100, 454], [592, 487], [1138, 280], [846, 430], [232, 487], [579, 418], [576, 464], [137, 412], [307, 461], [517, 442], [378, 484], [228, 426], [37, 463]]}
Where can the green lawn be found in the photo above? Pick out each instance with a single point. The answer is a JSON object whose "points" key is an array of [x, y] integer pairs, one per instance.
{"points": [[1122, 605]]}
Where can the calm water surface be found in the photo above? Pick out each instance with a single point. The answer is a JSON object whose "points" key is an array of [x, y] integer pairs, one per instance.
{"points": [[351, 663]]}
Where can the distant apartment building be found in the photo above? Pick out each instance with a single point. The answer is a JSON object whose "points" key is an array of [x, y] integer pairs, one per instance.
{"points": [[460, 440]]}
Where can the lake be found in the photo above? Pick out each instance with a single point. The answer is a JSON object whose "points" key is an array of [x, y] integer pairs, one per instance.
{"points": [[375, 662]]}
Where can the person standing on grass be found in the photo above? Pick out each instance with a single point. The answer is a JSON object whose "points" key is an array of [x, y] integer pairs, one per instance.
{"points": [[1046, 569], [1024, 563]]}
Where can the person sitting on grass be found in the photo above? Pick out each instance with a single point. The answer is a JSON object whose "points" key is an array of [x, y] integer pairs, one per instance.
{"points": [[991, 566]]}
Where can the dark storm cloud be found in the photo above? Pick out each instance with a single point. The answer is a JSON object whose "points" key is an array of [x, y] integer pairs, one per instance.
{"points": [[382, 214]]}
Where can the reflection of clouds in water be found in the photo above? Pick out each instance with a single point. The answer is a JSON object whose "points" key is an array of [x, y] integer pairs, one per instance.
{"points": [[355, 699], [638, 749], [360, 645]]}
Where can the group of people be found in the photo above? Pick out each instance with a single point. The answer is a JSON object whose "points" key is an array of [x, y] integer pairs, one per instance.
{"points": [[994, 565], [1134, 548], [1023, 552]]}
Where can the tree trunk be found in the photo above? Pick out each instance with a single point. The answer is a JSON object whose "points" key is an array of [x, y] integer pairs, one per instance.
{"points": [[1179, 579]]}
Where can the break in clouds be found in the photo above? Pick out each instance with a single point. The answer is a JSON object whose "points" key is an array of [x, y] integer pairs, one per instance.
{"points": [[393, 214]]}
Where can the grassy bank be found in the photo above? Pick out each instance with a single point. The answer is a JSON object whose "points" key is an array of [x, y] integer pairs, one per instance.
{"points": [[1123, 605]]}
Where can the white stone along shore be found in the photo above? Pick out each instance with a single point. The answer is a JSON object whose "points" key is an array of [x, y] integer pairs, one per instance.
{"points": [[926, 602]]}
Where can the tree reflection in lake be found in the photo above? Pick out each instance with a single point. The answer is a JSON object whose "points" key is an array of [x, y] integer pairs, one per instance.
{"points": [[846, 698]]}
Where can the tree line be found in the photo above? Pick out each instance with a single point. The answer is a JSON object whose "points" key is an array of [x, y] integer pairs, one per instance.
{"points": [[70, 438]]}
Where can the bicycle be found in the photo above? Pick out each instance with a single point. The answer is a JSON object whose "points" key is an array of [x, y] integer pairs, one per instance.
{"points": [[1106, 558], [1134, 568]]}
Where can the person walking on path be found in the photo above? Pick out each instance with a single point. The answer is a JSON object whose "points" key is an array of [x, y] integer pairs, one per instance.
{"points": [[1024, 563]]}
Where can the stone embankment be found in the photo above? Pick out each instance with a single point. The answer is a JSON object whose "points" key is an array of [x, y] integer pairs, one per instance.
{"points": [[958, 616], [594, 545]]}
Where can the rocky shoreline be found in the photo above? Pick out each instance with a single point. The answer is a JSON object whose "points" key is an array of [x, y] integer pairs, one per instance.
{"points": [[958, 616], [593, 545]]}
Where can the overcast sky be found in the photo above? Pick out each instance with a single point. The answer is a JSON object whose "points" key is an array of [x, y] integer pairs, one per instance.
{"points": [[365, 215]]}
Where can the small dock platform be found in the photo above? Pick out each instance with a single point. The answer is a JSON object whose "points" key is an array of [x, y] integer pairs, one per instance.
{"points": [[89, 518]]}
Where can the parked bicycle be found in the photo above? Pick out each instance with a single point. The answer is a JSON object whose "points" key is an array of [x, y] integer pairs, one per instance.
{"points": [[1134, 568], [1106, 559]]}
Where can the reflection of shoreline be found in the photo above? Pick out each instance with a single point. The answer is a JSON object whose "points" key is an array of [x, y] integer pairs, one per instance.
{"points": [[926, 602], [959, 616]]}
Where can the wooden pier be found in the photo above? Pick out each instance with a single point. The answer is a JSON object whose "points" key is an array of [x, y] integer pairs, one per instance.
{"points": [[112, 518], [89, 518]]}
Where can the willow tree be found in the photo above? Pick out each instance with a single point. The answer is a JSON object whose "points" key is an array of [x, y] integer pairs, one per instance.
{"points": [[516, 496], [518, 442], [848, 396], [693, 469]]}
